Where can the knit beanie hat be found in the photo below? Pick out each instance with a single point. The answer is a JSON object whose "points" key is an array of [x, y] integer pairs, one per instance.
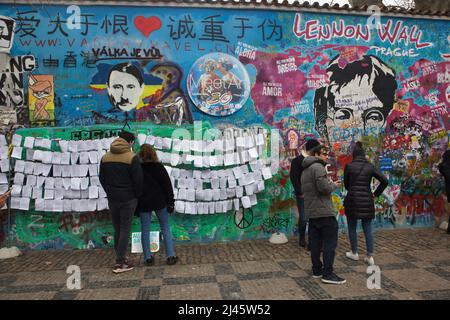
{"points": [[311, 144], [358, 150]]}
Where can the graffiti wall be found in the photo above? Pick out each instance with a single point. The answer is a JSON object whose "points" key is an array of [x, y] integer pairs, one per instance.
{"points": [[264, 81]]}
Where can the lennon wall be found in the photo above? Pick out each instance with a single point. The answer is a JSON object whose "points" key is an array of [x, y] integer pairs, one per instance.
{"points": [[296, 75]]}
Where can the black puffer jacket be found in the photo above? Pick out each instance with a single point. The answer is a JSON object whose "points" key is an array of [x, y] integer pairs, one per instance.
{"points": [[157, 192], [444, 169], [357, 178]]}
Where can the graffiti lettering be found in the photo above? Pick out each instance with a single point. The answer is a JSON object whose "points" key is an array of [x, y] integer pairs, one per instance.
{"points": [[274, 224], [94, 134]]}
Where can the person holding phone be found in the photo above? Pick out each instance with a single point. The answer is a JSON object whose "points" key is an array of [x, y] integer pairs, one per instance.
{"points": [[359, 201], [317, 188]]}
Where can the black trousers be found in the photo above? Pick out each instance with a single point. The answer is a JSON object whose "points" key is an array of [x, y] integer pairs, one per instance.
{"points": [[323, 234], [302, 221], [122, 216]]}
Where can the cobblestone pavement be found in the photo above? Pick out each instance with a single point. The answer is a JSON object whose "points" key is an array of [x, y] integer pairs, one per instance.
{"points": [[414, 263]]}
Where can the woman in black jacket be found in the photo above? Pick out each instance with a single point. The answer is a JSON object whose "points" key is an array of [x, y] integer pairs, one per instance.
{"points": [[359, 202], [444, 169], [157, 195]]}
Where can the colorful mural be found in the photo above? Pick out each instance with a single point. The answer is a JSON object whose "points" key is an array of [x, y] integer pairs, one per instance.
{"points": [[300, 75]]}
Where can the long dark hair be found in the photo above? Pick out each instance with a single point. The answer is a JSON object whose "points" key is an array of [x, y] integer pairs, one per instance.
{"points": [[148, 154]]}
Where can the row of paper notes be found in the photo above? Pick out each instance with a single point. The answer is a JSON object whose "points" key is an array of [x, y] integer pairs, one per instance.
{"points": [[65, 145], [207, 161], [209, 146], [65, 171], [236, 172], [219, 183], [73, 192], [218, 194], [51, 182], [214, 207], [60, 205], [50, 157], [215, 177]]}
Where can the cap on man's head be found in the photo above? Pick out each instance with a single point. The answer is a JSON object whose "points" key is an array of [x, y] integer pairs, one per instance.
{"points": [[311, 144], [127, 136]]}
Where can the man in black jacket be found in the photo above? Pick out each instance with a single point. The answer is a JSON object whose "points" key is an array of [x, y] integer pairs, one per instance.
{"points": [[296, 174], [122, 178], [444, 169]]}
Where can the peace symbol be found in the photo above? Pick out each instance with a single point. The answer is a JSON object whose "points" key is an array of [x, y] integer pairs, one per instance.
{"points": [[243, 219]]}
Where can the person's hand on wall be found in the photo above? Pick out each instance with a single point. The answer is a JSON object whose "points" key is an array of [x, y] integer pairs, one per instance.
{"points": [[3, 198], [170, 208]]}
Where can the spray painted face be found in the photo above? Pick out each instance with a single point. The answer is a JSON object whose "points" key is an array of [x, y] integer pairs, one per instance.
{"points": [[4, 32], [124, 90], [356, 107]]}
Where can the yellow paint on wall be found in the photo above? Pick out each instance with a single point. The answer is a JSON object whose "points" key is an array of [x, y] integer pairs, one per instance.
{"points": [[149, 90]]}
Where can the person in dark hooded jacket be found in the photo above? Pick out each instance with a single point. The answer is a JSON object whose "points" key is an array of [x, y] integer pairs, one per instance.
{"points": [[444, 169], [157, 195], [121, 177], [359, 201]]}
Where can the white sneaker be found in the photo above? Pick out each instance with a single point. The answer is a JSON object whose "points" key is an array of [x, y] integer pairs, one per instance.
{"points": [[352, 256], [369, 261]]}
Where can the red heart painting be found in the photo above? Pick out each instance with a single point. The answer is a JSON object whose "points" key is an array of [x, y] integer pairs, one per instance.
{"points": [[147, 25]]}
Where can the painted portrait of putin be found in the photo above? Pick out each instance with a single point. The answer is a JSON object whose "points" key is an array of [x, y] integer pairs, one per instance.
{"points": [[125, 86]]}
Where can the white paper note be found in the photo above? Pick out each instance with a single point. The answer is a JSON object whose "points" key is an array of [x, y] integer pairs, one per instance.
{"points": [[24, 204], [17, 153], [27, 191], [64, 145], [16, 190], [49, 194], [3, 140], [56, 158], [246, 202], [18, 178], [102, 204], [84, 183], [93, 192], [31, 180], [267, 174], [29, 142], [95, 181], [4, 165], [179, 206], [37, 193], [93, 157], [16, 140], [75, 183], [74, 157], [84, 158]]}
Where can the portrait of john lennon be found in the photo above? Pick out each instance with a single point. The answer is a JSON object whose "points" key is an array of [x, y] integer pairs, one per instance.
{"points": [[359, 96]]}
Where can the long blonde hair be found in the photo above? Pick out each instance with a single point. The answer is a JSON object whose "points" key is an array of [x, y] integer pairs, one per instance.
{"points": [[148, 153]]}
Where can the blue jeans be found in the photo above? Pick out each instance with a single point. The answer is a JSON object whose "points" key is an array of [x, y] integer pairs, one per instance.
{"points": [[146, 220], [353, 237]]}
